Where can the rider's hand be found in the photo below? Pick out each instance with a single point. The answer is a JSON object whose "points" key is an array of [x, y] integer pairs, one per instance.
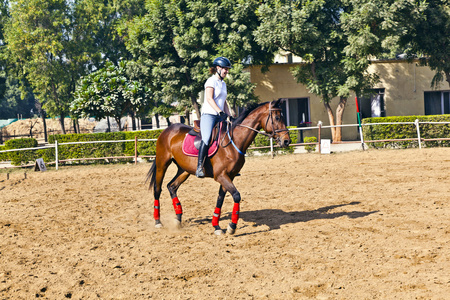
{"points": [[223, 116]]}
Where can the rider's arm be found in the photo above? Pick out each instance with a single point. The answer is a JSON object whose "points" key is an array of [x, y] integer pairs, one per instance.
{"points": [[209, 94]]}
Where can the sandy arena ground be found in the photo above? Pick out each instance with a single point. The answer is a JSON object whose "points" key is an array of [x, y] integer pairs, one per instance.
{"points": [[355, 225]]}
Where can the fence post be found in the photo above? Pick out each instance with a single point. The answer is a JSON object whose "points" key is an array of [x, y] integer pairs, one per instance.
{"points": [[418, 132], [271, 147], [362, 136], [135, 150], [318, 137], [56, 154]]}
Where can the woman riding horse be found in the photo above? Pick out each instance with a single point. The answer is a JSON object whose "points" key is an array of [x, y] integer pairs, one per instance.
{"points": [[223, 166], [214, 109]]}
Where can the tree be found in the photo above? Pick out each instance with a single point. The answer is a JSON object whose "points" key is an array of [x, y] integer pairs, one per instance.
{"points": [[310, 30], [38, 39], [109, 92], [178, 40], [425, 32], [52, 43], [14, 104]]}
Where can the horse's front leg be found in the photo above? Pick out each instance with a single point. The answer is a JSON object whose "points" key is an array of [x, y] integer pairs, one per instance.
{"points": [[217, 211], [228, 185]]}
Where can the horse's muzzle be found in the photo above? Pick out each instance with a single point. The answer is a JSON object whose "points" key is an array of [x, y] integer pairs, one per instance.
{"points": [[284, 142]]}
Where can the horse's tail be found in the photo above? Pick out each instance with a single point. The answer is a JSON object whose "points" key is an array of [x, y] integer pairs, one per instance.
{"points": [[151, 176]]}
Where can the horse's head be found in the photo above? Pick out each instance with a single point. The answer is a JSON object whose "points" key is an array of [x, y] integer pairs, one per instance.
{"points": [[274, 124]]}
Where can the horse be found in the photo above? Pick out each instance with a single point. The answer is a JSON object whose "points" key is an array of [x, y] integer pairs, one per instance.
{"points": [[223, 166]]}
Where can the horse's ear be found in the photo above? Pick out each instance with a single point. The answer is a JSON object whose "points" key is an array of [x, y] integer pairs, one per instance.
{"points": [[276, 103]]}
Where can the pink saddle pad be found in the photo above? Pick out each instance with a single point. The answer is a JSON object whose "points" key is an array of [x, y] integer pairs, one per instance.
{"points": [[190, 150]]}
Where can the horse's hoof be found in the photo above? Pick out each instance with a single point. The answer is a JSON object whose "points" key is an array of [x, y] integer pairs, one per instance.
{"points": [[177, 223], [231, 230], [218, 232], [158, 224]]}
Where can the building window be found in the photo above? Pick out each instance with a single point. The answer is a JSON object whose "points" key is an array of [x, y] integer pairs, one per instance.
{"points": [[437, 103], [296, 112], [371, 105]]}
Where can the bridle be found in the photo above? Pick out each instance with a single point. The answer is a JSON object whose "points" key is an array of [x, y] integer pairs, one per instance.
{"points": [[274, 131], [270, 135]]}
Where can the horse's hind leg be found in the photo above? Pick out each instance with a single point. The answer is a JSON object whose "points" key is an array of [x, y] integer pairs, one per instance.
{"points": [[160, 168], [173, 186]]}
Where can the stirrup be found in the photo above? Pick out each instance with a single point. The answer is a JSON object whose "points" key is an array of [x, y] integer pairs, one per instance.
{"points": [[200, 173]]}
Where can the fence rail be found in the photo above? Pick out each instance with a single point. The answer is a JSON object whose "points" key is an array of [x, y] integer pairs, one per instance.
{"points": [[319, 127]]}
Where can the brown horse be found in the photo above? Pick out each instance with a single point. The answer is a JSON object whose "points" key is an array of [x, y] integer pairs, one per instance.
{"points": [[223, 166]]}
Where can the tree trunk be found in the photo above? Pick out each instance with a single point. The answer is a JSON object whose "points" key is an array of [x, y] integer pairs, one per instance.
{"points": [[61, 122], [109, 124], [45, 125], [74, 124], [188, 117], [196, 106], [157, 120], [336, 132], [118, 123], [133, 121], [330, 118], [339, 116]]}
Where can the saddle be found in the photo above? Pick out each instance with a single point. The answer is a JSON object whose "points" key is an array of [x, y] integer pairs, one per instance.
{"points": [[193, 138]]}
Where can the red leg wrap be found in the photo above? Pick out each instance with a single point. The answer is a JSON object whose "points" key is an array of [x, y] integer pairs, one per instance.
{"points": [[235, 215], [156, 210], [177, 206], [216, 217]]}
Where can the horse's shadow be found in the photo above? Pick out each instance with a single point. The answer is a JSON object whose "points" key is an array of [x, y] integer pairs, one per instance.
{"points": [[275, 218]]}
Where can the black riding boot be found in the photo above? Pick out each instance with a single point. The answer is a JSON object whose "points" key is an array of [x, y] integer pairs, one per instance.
{"points": [[202, 152]]}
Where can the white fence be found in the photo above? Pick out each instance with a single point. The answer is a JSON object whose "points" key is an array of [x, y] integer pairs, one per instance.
{"points": [[319, 127]]}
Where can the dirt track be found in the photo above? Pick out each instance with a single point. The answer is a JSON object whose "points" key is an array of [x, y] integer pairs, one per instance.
{"points": [[356, 225]]}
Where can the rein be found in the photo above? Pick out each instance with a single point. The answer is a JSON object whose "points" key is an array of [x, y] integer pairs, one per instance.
{"points": [[271, 135]]}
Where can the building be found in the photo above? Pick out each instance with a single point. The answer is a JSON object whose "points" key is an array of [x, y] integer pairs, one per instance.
{"points": [[404, 89]]}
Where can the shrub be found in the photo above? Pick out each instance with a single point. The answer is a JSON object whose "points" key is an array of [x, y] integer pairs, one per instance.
{"points": [[405, 131], [97, 150], [3, 155], [310, 148], [264, 141], [21, 157]]}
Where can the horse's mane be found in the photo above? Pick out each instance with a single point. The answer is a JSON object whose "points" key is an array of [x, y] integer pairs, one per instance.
{"points": [[247, 110]]}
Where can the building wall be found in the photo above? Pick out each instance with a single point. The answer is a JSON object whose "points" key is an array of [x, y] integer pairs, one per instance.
{"points": [[404, 84]]}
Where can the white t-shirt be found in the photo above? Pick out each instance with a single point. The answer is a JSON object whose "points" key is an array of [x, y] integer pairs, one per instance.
{"points": [[220, 95]]}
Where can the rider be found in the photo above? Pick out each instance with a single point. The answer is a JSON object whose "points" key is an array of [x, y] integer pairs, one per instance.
{"points": [[214, 109]]}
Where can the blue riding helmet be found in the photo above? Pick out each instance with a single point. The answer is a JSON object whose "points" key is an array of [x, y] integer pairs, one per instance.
{"points": [[222, 62]]}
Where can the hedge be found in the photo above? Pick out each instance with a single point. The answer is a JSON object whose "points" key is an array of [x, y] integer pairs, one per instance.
{"points": [[3, 155], [405, 131], [264, 141], [97, 150], [20, 157]]}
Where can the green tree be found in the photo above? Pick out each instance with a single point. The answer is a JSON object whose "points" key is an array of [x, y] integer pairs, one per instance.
{"points": [[313, 31], [52, 43], [4, 16], [109, 92], [38, 39], [424, 32], [416, 28], [14, 104], [178, 40]]}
